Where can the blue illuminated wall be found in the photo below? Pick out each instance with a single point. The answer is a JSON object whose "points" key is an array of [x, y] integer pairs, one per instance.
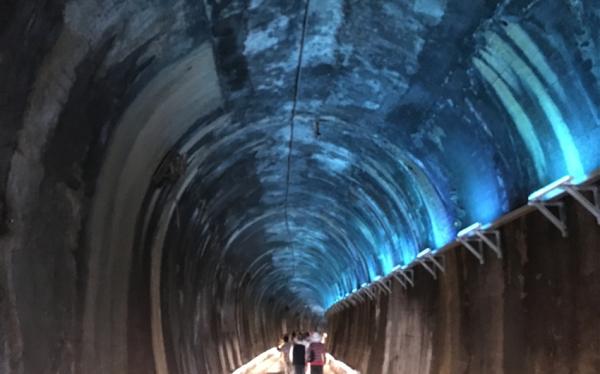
{"points": [[407, 121], [524, 115]]}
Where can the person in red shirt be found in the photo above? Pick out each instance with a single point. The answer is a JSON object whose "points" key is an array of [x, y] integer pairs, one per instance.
{"points": [[316, 353]]}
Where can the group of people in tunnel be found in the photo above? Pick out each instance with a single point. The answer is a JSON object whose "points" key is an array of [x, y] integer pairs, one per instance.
{"points": [[303, 353]]}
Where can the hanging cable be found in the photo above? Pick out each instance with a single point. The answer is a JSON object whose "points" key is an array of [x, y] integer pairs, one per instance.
{"points": [[291, 142]]}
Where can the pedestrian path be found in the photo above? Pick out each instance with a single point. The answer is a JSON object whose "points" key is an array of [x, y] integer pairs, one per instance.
{"points": [[269, 362]]}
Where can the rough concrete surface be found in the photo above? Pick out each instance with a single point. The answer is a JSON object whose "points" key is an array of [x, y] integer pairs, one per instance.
{"points": [[182, 181]]}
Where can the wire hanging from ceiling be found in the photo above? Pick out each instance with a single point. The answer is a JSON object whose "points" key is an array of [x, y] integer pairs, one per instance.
{"points": [[291, 141]]}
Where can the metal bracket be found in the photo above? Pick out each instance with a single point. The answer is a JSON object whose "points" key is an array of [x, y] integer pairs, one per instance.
{"points": [[382, 286], [358, 296], [375, 289], [592, 207], [559, 221], [536, 199], [477, 252], [409, 275], [476, 233], [400, 280], [429, 269], [404, 276], [388, 285], [440, 264], [369, 293], [426, 257], [361, 291], [493, 245]]}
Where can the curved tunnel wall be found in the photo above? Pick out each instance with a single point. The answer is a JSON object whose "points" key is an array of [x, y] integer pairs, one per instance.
{"points": [[170, 165]]}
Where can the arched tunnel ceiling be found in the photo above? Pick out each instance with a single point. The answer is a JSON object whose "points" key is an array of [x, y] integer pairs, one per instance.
{"points": [[358, 133]]}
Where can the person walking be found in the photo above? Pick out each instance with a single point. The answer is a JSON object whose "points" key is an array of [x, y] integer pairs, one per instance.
{"points": [[298, 354], [285, 348], [317, 354]]}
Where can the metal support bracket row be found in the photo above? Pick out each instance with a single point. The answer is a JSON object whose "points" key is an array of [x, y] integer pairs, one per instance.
{"points": [[558, 217], [476, 238]]}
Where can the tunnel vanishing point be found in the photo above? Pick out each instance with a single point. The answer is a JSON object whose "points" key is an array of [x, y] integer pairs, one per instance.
{"points": [[182, 181]]}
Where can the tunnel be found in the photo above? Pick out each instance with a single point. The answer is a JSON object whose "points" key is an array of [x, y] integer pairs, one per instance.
{"points": [[184, 181]]}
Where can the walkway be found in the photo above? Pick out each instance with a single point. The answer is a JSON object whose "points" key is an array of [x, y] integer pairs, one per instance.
{"points": [[269, 362]]}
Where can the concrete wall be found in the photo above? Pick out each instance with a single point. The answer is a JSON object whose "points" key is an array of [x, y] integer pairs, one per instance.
{"points": [[535, 311], [73, 74]]}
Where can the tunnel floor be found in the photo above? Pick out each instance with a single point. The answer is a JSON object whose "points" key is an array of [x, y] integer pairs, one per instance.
{"points": [[270, 362]]}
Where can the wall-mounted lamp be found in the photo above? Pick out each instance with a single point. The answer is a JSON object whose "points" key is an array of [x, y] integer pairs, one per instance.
{"points": [[538, 200], [542, 192]]}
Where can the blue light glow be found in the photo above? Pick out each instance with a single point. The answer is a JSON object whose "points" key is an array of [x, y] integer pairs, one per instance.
{"points": [[518, 122], [387, 262], [485, 204]]}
